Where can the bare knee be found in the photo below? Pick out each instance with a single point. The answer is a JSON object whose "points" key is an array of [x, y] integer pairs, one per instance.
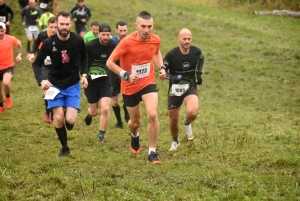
{"points": [[192, 113], [93, 112], [152, 116], [136, 123], [59, 118], [105, 110]]}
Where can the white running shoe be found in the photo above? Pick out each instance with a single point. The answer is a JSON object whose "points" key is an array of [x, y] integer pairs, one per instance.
{"points": [[189, 132], [174, 146]]}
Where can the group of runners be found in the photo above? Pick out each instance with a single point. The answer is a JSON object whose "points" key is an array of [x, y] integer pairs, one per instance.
{"points": [[106, 65]]}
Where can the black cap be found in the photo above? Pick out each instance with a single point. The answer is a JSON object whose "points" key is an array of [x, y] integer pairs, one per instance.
{"points": [[104, 28]]}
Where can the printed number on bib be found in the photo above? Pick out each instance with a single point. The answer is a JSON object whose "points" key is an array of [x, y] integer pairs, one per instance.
{"points": [[47, 61], [143, 70], [32, 28], [179, 89], [2, 19], [51, 93], [43, 5]]}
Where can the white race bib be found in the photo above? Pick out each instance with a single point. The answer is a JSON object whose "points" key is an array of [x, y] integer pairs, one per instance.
{"points": [[43, 5], [51, 93], [32, 28], [47, 61], [97, 76], [2, 18], [179, 89], [143, 69]]}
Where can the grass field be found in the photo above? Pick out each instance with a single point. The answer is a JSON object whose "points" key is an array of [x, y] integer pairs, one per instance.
{"points": [[247, 144]]}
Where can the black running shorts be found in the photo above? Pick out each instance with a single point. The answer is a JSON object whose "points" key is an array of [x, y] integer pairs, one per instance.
{"points": [[133, 100], [176, 101]]}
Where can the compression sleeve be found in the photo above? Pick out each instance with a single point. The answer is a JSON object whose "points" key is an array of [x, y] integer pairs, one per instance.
{"points": [[200, 64], [36, 45]]}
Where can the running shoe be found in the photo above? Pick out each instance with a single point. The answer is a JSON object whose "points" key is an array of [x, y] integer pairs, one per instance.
{"points": [[102, 139], [174, 146], [152, 157], [189, 131], [119, 125], [135, 146], [88, 119], [64, 151], [9, 103], [2, 109]]}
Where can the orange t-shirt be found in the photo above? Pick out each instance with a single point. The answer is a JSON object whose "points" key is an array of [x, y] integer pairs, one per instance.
{"points": [[7, 51], [137, 56]]}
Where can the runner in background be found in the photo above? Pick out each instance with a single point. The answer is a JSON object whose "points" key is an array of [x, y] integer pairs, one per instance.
{"points": [[93, 33], [7, 43], [122, 30], [6, 15], [80, 15]]}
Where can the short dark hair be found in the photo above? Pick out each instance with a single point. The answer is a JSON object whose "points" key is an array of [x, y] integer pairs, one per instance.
{"points": [[95, 23], [121, 23], [145, 15], [52, 20], [63, 13], [80, 1]]}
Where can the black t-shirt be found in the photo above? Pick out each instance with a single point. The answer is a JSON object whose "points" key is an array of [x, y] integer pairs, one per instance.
{"points": [[31, 15], [98, 55], [4, 11], [68, 59], [184, 64]]}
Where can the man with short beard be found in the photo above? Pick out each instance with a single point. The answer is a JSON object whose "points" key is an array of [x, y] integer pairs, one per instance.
{"points": [[184, 64], [99, 78], [68, 56]]}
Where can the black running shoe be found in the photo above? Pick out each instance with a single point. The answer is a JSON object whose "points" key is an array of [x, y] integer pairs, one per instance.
{"points": [[64, 151], [119, 125], [88, 119], [102, 139], [135, 146], [68, 126], [153, 158]]}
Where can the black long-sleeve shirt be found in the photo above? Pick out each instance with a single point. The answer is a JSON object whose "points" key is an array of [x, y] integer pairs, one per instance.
{"points": [[81, 13], [31, 15], [39, 41], [68, 59], [5, 10]]}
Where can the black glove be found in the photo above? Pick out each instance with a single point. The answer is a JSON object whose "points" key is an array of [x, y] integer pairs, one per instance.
{"points": [[199, 79], [175, 78]]}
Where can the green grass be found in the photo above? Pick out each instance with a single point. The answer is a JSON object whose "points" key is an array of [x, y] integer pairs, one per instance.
{"points": [[247, 131]]}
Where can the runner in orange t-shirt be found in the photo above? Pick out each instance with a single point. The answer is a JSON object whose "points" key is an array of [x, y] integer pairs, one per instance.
{"points": [[135, 53], [7, 64]]}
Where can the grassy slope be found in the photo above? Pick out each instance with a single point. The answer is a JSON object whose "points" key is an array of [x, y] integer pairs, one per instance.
{"points": [[247, 132]]}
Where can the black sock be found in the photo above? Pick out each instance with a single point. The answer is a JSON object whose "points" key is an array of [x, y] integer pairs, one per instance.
{"points": [[175, 139], [7, 95], [62, 135], [46, 105], [126, 112], [28, 46], [1, 104], [117, 112]]}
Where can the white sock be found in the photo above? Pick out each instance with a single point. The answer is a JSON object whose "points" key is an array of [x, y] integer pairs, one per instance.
{"points": [[151, 149]]}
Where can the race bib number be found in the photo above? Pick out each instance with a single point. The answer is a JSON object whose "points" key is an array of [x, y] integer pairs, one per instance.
{"points": [[43, 5], [47, 61], [51, 93], [97, 76], [32, 28], [179, 89], [143, 70], [2, 19]]}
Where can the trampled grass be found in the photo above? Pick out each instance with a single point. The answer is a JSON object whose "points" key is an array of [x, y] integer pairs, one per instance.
{"points": [[247, 132]]}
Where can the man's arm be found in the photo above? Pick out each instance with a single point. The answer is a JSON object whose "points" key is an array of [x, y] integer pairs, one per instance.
{"points": [[37, 64], [19, 49], [199, 68], [159, 62], [11, 12], [89, 14]]}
